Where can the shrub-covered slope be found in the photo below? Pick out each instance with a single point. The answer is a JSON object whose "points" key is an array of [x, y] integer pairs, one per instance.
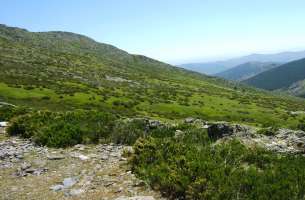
{"points": [[66, 71]]}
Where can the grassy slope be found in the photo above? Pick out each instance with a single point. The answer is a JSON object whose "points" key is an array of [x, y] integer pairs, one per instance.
{"points": [[64, 71], [246, 70], [280, 77]]}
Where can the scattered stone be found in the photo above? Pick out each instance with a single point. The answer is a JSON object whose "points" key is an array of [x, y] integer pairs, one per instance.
{"points": [[80, 156], [123, 159], [119, 190], [25, 166], [57, 188], [178, 134], [104, 157], [154, 123], [30, 171], [189, 120], [76, 192], [83, 157], [80, 147], [55, 157], [69, 182]]}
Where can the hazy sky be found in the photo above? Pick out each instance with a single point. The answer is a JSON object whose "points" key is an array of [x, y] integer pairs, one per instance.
{"points": [[174, 31]]}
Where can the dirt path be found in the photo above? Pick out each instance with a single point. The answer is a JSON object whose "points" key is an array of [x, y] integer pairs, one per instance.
{"points": [[81, 172]]}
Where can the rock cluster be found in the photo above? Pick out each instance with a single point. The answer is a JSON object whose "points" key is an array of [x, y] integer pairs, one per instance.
{"points": [[222, 129], [13, 151], [80, 172], [285, 141], [282, 140]]}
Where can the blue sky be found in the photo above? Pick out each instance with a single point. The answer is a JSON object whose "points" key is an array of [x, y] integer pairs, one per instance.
{"points": [[174, 31]]}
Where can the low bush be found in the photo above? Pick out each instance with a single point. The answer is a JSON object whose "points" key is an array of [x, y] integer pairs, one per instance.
{"points": [[60, 129], [270, 131], [7, 112], [195, 168]]}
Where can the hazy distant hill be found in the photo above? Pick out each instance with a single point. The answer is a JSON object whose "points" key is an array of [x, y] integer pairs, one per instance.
{"points": [[288, 77], [220, 66], [246, 70]]}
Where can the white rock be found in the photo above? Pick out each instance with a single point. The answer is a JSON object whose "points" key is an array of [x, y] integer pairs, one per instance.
{"points": [[69, 182], [56, 188], [76, 192]]}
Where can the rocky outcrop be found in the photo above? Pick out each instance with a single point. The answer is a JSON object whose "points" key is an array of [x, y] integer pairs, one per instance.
{"points": [[284, 141], [222, 129], [281, 141]]}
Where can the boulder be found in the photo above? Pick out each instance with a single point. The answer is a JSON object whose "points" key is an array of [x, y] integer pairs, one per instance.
{"points": [[153, 123], [69, 182], [220, 130], [179, 134], [56, 188], [189, 120], [76, 192]]}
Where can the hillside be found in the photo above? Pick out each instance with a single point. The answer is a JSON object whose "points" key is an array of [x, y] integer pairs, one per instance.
{"points": [[246, 70], [66, 71], [287, 77], [220, 66]]}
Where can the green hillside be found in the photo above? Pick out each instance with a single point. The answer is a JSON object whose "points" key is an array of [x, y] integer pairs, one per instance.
{"points": [[281, 77], [246, 70], [65, 71]]}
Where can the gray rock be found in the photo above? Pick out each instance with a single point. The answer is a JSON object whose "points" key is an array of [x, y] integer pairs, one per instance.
{"points": [[25, 166], [178, 134], [104, 157], [55, 157], [57, 188], [220, 130], [154, 123], [69, 182], [189, 120], [76, 192]]}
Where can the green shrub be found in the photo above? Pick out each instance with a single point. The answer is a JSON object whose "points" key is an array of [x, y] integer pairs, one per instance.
{"points": [[8, 112], [192, 169], [270, 131], [61, 129], [127, 132]]}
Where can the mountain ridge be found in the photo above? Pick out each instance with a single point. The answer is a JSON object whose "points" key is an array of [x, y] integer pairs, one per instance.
{"points": [[212, 68], [280, 78], [246, 70], [47, 72]]}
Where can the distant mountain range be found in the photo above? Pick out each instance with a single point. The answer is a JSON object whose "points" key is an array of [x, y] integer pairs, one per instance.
{"points": [[289, 77], [246, 70], [212, 68]]}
